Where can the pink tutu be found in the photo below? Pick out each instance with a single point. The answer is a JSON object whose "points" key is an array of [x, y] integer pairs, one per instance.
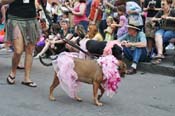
{"points": [[64, 67]]}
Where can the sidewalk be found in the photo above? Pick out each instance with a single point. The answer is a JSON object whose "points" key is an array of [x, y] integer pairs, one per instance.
{"points": [[167, 67]]}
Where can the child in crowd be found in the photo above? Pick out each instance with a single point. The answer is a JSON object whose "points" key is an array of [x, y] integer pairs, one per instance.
{"points": [[109, 30], [93, 33], [123, 22]]}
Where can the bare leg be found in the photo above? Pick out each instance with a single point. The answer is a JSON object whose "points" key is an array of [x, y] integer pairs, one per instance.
{"points": [[150, 44], [18, 50], [28, 61], [95, 94], [159, 44], [3, 11], [55, 83]]}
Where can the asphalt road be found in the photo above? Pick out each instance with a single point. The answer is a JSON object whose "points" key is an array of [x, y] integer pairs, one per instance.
{"points": [[142, 94]]}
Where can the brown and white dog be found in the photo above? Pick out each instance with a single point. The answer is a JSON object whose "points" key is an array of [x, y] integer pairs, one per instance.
{"points": [[88, 71]]}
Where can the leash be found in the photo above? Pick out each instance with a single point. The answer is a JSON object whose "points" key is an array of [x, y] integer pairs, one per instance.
{"points": [[79, 48], [74, 45]]}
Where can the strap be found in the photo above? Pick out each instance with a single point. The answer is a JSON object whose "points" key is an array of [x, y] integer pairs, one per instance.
{"points": [[12, 78], [49, 19]]}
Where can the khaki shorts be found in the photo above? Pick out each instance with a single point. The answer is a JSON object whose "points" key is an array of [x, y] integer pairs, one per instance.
{"points": [[29, 28], [149, 28]]}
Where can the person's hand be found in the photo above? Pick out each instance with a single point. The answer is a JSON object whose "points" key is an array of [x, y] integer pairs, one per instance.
{"points": [[130, 12], [86, 36], [67, 4], [92, 22], [123, 43], [128, 44], [47, 40], [155, 19], [151, 8], [52, 45], [52, 42], [68, 46], [164, 17], [114, 25]]}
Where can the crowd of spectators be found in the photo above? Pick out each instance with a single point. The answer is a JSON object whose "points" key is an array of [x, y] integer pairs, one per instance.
{"points": [[145, 28]]}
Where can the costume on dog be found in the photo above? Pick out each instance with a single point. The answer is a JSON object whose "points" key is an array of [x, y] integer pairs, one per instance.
{"points": [[64, 67], [99, 48]]}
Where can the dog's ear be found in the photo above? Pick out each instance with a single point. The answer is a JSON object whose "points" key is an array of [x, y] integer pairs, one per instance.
{"points": [[122, 68], [117, 52]]}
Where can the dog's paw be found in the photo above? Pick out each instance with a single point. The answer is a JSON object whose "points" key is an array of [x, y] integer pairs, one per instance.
{"points": [[78, 99], [51, 98], [99, 104]]}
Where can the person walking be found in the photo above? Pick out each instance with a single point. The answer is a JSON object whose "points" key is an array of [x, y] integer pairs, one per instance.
{"points": [[23, 30]]}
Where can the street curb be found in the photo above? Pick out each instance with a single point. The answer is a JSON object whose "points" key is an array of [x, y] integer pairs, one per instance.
{"points": [[163, 69]]}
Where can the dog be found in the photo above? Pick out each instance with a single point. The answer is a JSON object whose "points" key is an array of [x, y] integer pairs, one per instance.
{"points": [[88, 71]]}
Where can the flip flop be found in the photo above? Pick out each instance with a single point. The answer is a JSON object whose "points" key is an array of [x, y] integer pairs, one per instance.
{"points": [[20, 67], [159, 56], [10, 80], [157, 61], [29, 84]]}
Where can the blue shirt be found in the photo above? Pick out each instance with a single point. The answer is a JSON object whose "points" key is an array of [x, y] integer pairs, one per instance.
{"points": [[88, 7], [140, 37]]}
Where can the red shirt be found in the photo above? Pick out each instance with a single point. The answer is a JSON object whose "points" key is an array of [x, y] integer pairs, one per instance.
{"points": [[94, 6]]}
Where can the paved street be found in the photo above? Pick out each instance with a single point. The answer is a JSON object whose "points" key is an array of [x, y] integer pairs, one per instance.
{"points": [[143, 94]]}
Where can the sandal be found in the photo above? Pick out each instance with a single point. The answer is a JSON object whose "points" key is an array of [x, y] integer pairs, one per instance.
{"points": [[29, 84], [10, 80], [20, 67], [157, 61], [159, 56]]}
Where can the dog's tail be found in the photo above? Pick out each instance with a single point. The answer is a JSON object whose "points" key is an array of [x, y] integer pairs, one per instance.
{"points": [[46, 64]]}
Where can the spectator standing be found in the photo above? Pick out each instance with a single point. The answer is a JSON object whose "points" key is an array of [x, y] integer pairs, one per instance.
{"points": [[88, 7], [120, 2], [134, 11], [96, 12], [79, 13]]}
